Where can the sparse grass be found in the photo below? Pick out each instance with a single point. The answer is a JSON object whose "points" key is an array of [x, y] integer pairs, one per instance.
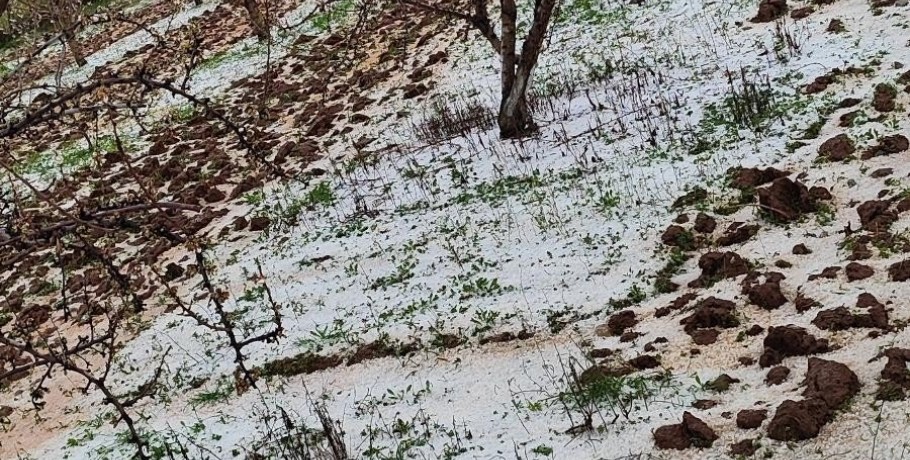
{"points": [[825, 214], [183, 113], [499, 190], [453, 118], [254, 198], [814, 129], [750, 104], [222, 391], [593, 12], [607, 201], [320, 196], [335, 13], [70, 155], [603, 394], [222, 57], [675, 261], [403, 272]]}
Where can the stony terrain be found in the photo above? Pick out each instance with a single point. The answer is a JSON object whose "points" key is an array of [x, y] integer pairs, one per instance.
{"points": [[702, 254]]}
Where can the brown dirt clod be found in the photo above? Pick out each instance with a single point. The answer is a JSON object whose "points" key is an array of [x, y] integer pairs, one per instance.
{"points": [[785, 200], [749, 419], [838, 148], [691, 432], [770, 10], [784, 341]]}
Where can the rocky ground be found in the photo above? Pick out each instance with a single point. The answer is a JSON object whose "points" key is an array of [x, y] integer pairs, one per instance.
{"points": [[703, 253]]}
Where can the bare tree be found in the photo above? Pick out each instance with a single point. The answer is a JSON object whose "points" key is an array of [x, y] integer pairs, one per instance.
{"points": [[259, 19], [67, 16], [515, 118], [64, 17]]}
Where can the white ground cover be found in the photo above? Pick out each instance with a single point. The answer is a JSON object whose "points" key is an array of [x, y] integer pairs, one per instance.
{"points": [[477, 236]]}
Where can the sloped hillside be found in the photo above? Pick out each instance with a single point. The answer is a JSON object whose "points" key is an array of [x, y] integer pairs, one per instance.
{"points": [[318, 246]]}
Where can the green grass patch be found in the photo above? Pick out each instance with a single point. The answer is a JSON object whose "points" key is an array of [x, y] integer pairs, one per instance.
{"points": [[334, 14]]}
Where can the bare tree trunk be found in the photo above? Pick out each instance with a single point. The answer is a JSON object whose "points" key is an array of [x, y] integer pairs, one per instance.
{"points": [[258, 20], [75, 47], [511, 117], [515, 118], [66, 17]]}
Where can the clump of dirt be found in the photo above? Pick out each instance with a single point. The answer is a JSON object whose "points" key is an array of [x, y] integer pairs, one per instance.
{"points": [[629, 336], [829, 385], [709, 314], [697, 195], [447, 341], [804, 304], [860, 250], [875, 215], [11, 358], [379, 349], [704, 223], [721, 383], [819, 84], [704, 404], [777, 375], [644, 362], [848, 119], [866, 300], [881, 172], [797, 421], [848, 102], [883, 97], [836, 26], [749, 419], [838, 148], [704, 336], [303, 363], [801, 249], [30, 319], [737, 233], [749, 178], [840, 319], [677, 236], [895, 376], [651, 346], [601, 371], [677, 304], [784, 341], [691, 432], [506, 336], [785, 200], [820, 193], [856, 271], [770, 10], [619, 322], [899, 271], [743, 449], [801, 13], [173, 271], [716, 266], [830, 381], [259, 223], [887, 145], [766, 294], [827, 272]]}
